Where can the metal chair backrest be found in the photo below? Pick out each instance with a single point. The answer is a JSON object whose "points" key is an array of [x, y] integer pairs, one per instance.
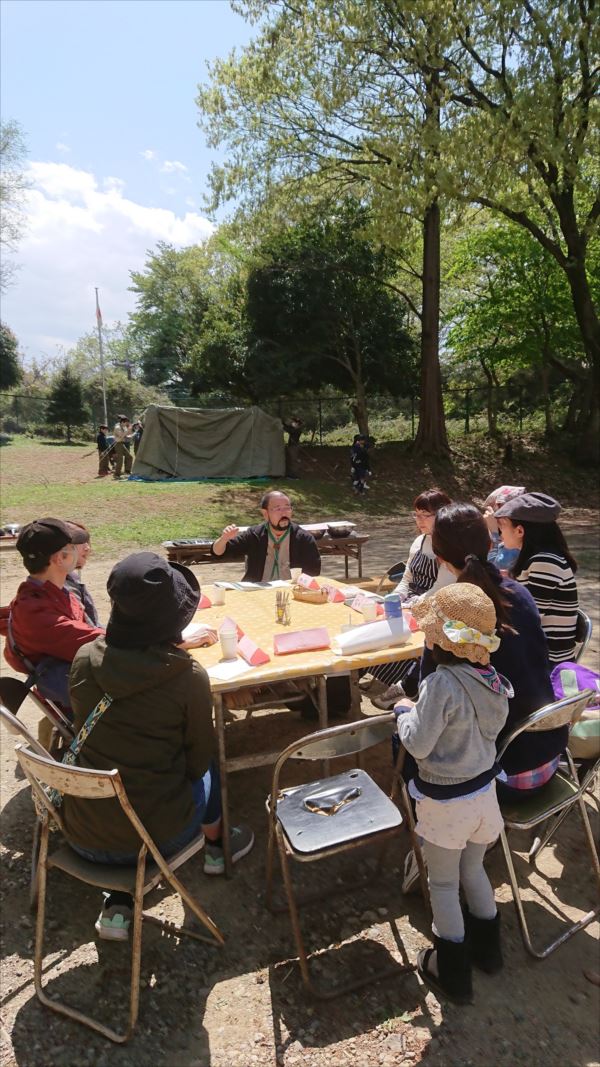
{"points": [[583, 633], [393, 574], [16, 727], [551, 716], [13, 692], [337, 741]]}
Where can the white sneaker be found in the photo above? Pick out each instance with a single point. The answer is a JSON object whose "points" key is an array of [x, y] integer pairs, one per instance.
{"points": [[410, 881]]}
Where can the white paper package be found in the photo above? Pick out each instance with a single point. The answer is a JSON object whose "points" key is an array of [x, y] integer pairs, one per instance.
{"points": [[371, 637]]}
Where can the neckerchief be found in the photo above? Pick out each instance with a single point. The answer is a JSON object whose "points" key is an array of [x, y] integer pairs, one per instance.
{"points": [[277, 543]]}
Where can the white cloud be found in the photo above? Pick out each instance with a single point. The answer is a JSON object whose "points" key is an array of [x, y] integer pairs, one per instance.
{"points": [[83, 233], [173, 166], [62, 147], [148, 153]]}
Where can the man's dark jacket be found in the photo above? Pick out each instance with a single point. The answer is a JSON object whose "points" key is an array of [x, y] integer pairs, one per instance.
{"points": [[253, 542]]}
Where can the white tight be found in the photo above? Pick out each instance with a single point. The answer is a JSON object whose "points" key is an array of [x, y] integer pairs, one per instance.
{"points": [[447, 868]]}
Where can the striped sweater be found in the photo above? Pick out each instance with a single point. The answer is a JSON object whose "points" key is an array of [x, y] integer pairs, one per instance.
{"points": [[552, 585]]}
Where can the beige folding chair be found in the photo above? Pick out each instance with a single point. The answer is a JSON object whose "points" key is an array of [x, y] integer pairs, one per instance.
{"points": [[138, 880], [558, 797], [322, 818]]}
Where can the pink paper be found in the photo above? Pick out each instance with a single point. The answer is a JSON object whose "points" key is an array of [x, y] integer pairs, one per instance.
{"points": [[334, 595], [251, 652], [204, 602], [301, 641], [357, 604], [307, 582]]}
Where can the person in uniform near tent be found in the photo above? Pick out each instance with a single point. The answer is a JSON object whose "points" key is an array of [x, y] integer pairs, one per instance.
{"points": [[122, 433]]}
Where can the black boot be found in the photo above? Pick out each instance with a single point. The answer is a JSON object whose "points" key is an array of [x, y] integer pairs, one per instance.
{"points": [[484, 935], [453, 980]]}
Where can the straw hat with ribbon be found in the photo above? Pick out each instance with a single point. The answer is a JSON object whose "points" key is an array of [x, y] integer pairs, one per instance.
{"points": [[461, 619]]}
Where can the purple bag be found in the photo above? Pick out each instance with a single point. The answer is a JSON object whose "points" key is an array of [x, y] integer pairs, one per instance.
{"points": [[568, 679]]}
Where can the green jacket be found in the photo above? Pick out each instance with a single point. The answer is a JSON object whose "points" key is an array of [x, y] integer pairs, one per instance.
{"points": [[158, 733]]}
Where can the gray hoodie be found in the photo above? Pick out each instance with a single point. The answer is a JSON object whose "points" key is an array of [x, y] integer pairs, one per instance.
{"points": [[452, 729]]}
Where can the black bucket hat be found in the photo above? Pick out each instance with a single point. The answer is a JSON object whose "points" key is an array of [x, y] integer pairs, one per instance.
{"points": [[152, 601]]}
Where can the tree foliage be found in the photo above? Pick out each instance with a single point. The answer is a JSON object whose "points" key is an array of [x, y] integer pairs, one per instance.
{"points": [[422, 108], [321, 310], [65, 401], [11, 371], [13, 186]]}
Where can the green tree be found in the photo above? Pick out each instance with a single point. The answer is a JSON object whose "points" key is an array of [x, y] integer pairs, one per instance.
{"points": [[513, 314], [346, 98], [529, 142], [11, 372], [13, 186], [321, 310], [65, 401], [171, 304]]}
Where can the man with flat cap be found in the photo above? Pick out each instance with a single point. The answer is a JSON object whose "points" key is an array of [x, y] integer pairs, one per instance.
{"points": [[122, 434], [47, 623]]}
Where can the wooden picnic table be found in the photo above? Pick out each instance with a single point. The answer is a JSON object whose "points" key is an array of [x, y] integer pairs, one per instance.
{"points": [[254, 612], [200, 553]]}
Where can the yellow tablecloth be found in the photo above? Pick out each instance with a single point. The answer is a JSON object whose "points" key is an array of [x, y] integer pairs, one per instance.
{"points": [[254, 611]]}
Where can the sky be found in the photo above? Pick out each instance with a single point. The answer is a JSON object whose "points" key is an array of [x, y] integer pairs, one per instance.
{"points": [[104, 91]]}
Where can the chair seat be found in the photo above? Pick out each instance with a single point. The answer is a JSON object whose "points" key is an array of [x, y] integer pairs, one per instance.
{"points": [[366, 810], [114, 877], [560, 790]]}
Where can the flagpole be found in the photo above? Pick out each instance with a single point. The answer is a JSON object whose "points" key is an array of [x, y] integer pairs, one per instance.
{"points": [[99, 323]]}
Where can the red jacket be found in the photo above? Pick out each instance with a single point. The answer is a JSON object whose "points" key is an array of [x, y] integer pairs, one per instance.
{"points": [[47, 621]]}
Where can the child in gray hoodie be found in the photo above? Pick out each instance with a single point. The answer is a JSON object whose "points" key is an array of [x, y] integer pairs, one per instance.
{"points": [[451, 731]]}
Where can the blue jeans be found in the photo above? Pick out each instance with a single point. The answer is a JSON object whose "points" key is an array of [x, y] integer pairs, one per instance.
{"points": [[206, 792]]}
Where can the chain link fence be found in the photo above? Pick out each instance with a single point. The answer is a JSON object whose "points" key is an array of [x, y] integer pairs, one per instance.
{"points": [[331, 419]]}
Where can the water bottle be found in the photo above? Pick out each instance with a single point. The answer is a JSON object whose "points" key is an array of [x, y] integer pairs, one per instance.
{"points": [[392, 606]]}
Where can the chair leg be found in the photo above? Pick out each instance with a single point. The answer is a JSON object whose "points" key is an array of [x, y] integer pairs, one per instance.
{"points": [[423, 880], [55, 1005], [270, 859], [568, 933], [35, 851], [293, 910]]}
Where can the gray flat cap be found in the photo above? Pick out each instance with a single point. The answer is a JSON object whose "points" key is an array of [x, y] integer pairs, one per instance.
{"points": [[530, 507]]}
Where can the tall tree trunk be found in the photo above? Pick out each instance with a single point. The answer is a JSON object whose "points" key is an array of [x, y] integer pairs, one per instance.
{"points": [[431, 436], [492, 415]]}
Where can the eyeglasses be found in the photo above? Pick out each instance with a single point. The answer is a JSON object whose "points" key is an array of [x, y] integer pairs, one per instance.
{"points": [[280, 508], [424, 514]]}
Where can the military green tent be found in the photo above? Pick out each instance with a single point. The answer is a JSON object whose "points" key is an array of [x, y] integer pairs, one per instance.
{"points": [[188, 443]]}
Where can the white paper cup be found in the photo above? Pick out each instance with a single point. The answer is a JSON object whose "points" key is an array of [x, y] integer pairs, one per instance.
{"points": [[295, 573], [218, 596], [228, 639], [369, 610]]}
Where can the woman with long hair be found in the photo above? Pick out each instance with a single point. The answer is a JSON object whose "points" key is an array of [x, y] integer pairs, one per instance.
{"points": [[544, 566], [461, 539]]}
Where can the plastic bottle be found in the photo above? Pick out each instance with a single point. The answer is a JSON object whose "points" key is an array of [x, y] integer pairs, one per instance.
{"points": [[392, 605]]}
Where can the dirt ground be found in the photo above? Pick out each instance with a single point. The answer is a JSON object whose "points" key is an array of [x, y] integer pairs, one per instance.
{"points": [[244, 1004]]}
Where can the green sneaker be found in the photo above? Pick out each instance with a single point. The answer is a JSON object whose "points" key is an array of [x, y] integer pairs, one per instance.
{"points": [[113, 923], [242, 840]]}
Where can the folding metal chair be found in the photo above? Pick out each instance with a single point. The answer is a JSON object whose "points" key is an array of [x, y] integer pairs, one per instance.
{"points": [[322, 818], [557, 798], [14, 691], [583, 633], [138, 880], [393, 574], [18, 729]]}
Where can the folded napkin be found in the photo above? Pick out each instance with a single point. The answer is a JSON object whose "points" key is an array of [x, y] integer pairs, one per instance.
{"points": [[204, 602], [334, 595], [370, 638], [246, 647], [306, 581], [301, 641], [359, 602]]}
